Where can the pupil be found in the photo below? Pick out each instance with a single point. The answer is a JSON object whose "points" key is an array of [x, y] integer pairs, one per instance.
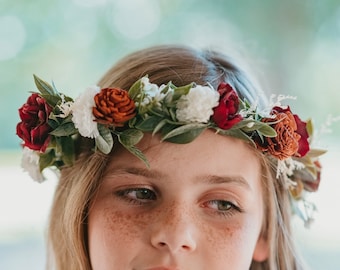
{"points": [[144, 194], [223, 205]]}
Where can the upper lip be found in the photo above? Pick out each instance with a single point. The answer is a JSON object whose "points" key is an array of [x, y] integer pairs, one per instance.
{"points": [[162, 268]]}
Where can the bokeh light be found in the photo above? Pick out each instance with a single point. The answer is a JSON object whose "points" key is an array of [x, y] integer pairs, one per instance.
{"points": [[293, 47]]}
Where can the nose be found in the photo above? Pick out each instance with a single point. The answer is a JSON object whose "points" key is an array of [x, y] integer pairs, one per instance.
{"points": [[174, 230]]}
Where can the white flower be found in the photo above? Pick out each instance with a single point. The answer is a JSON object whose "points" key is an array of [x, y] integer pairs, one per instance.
{"points": [[30, 164], [197, 105], [153, 95], [83, 117], [286, 168], [150, 89], [65, 107]]}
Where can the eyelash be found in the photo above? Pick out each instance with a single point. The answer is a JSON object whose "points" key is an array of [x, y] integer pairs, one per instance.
{"points": [[232, 208], [126, 196]]}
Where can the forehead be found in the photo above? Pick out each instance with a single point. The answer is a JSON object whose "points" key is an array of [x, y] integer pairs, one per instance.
{"points": [[209, 154]]}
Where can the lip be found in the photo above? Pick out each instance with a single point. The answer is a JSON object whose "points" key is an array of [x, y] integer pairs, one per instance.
{"points": [[162, 268]]}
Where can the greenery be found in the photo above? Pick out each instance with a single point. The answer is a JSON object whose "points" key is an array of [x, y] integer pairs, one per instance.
{"points": [[292, 46]]}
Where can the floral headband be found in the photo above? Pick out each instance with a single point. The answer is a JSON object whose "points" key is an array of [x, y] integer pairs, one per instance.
{"points": [[51, 122]]}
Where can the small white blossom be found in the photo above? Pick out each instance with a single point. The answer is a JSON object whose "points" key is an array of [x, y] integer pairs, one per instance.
{"points": [[65, 107], [250, 125], [83, 117], [150, 89], [197, 105], [286, 168], [279, 98], [30, 164], [153, 95]]}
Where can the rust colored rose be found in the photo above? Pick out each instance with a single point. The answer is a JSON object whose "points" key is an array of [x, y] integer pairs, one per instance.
{"points": [[286, 143], [33, 128], [113, 107], [225, 114]]}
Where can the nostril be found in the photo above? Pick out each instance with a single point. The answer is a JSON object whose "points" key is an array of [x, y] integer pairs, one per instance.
{"points": [[161, 244]]}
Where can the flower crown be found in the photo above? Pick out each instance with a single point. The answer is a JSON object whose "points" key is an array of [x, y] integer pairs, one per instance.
{"points": [[51, 122]]}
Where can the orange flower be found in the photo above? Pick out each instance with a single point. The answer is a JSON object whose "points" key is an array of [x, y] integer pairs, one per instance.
{"points": [[286, 143], [113, 107]]}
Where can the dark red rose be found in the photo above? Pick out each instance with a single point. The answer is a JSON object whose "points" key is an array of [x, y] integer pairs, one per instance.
{"points": [[33, 128], [225, 114], [303, 142]]}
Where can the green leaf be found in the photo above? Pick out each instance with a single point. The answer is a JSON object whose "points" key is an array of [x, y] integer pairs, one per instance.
{"points": [[65, 129], [137, 153], [314, 153], [183, 134], [267, 131], [44, 87], [135, 89], [104, 141], [172, 114], [46, 160], [52, 100], [130, 137], [309, 127], [148, 124], [236, 133], [250, 125], [132, 122], [67, 145], [159, 126], [180, 91]]}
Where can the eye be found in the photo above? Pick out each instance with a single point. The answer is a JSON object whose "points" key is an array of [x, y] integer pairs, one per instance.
{"points": [[137, 195], [223, 207]]}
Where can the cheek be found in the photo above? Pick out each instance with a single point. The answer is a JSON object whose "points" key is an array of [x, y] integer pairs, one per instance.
{"points": [[114, 226], [231, 245]]}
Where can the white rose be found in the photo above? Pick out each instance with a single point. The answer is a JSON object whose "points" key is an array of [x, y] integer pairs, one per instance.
{"points": [[197, 105], [83, 117], [30, 164]]}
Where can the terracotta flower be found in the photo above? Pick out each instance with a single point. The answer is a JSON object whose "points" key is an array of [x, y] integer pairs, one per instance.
{"points": [[33, 128], [286, 143], [225, 114], [113, 107]]}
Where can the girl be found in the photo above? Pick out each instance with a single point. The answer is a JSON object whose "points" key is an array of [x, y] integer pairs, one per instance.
{"points": [[176, 161]]}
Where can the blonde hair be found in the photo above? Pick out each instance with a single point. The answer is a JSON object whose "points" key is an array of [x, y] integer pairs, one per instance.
{"points": [[78, 184]]}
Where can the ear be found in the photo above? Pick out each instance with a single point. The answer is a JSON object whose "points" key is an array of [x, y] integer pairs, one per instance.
{"points": [[261, 252]]}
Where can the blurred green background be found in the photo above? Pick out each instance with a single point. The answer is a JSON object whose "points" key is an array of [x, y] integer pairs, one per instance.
{"points": [[292, 46]]}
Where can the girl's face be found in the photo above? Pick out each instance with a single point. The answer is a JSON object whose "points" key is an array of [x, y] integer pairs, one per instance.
{"points": [[199, 206]]}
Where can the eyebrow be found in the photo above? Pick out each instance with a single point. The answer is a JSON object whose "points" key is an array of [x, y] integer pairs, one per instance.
{"points": [[210, 179], [215, 179], [137, 171]]}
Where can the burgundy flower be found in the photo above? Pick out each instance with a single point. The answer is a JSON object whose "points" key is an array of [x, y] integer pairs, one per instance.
{"points": [[33, 128], [225, 114], [303, 142]]}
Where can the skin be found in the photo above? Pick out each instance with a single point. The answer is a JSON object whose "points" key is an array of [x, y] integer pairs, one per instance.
{"points": [[199, 206]]}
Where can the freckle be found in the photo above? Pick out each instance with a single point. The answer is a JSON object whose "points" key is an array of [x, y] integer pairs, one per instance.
{"points": [[124, 226]]}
